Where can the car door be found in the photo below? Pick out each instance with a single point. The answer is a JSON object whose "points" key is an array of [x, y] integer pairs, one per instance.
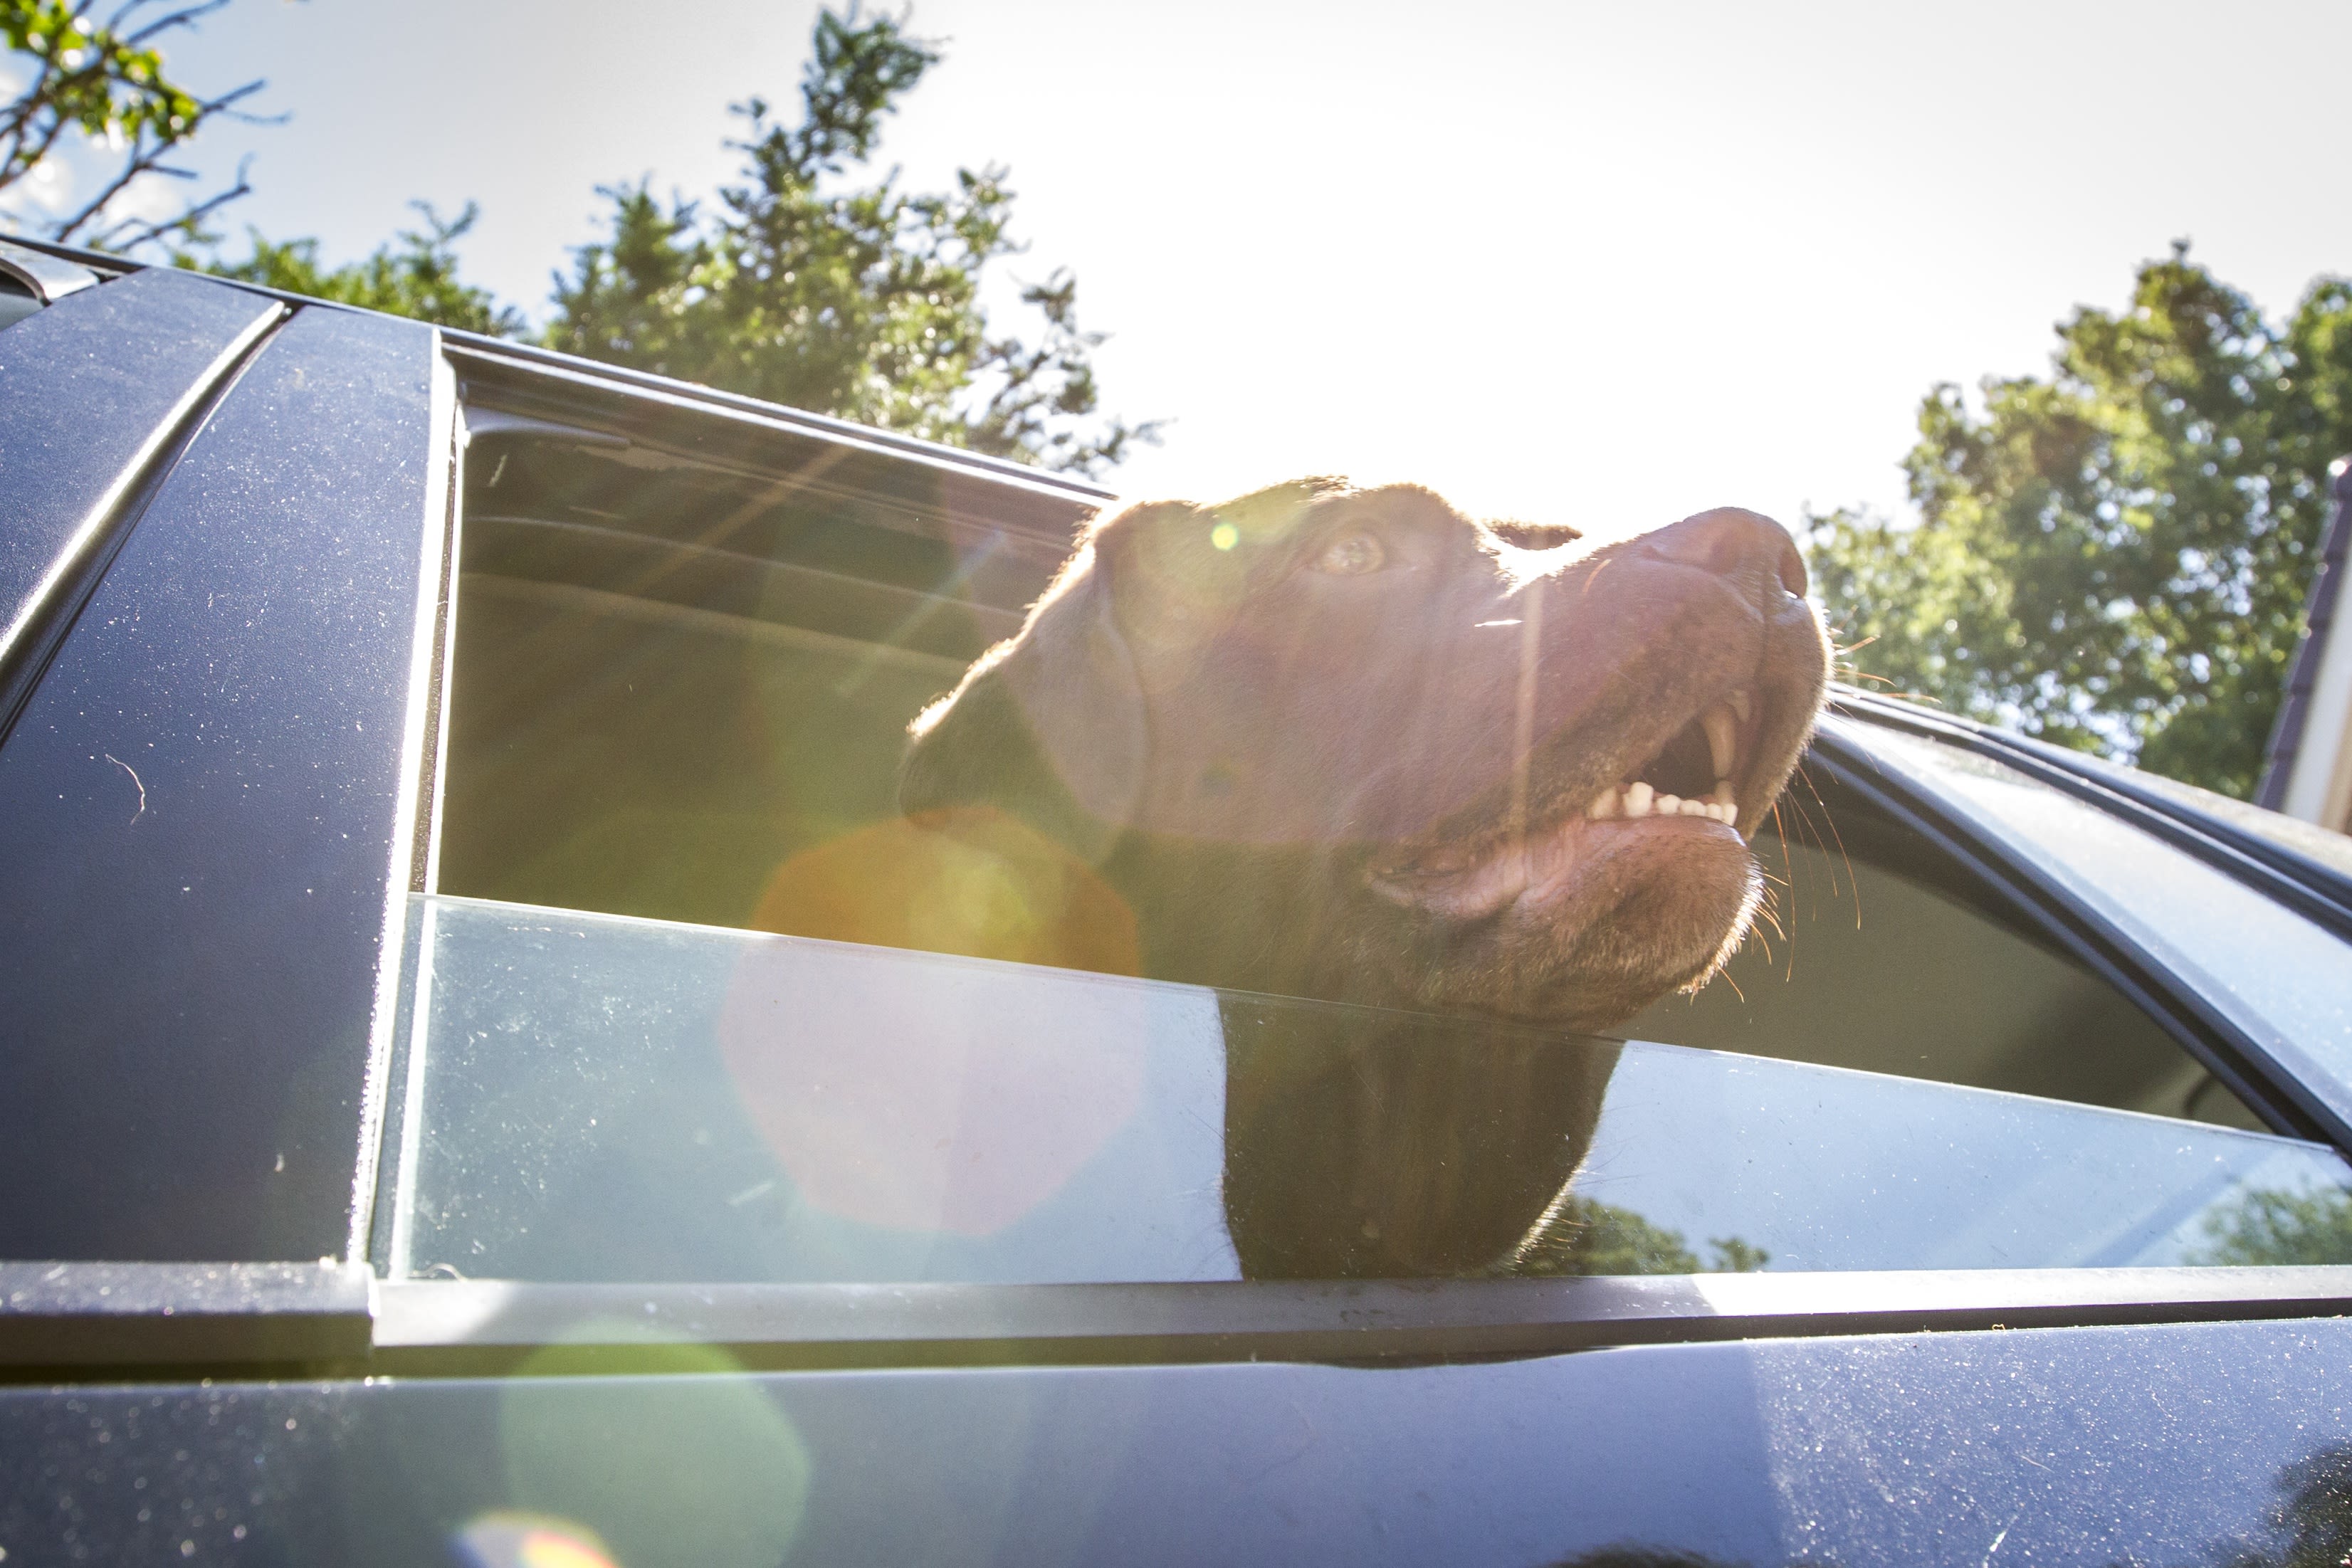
{"points": [[417, 1152]]}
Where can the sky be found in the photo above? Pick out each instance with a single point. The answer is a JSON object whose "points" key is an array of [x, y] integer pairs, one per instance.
{"points": [[1598, 265]]}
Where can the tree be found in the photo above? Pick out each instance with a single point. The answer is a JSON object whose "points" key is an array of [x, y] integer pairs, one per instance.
{"points": [[1586, 1237], [2272, 1227], [2115, 557], [97, 92], [2311, 1525], [415, 275], [859, 301]]}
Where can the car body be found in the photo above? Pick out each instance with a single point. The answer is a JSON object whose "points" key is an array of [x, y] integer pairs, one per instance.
{"points": [[411, 1155]]}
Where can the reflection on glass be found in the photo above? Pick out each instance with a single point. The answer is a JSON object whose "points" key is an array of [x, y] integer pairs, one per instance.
{"points": [[2312, 1524], [2270, 1226], [598, 1098]]}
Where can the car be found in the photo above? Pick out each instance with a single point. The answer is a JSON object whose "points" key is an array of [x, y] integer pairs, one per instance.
{"points": [[414, 1153]]}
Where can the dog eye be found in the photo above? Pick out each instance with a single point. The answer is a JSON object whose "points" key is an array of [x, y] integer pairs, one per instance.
{"points": [[1352, 555]]}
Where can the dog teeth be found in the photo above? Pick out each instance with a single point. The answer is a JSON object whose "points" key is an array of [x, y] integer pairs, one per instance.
{"points": [[1640, 800], [1722, 737], [1744, 705]]}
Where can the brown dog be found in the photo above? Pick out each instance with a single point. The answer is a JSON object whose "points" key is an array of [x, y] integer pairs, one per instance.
{"points": [[1319, 743], [1351, 745]]}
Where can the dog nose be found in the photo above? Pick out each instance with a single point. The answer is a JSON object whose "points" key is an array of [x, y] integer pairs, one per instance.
{"points": [[1732, 542]]}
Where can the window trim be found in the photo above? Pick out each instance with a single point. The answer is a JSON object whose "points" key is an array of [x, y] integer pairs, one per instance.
{"points": [[87, 544], [49, 278], [169, 1319], [500, 363], [107, 1314], [439, 1328], [2318, 893]]}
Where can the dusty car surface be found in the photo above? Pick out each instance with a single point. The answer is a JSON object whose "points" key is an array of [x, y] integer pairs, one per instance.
{"points": [[414, 1151]]}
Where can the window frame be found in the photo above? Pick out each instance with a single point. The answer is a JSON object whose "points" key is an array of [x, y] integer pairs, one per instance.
{"points": [[447, 1325]]}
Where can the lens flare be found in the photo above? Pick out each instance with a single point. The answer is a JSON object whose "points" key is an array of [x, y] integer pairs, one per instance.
{"points": [[528, 1541], [972, 881], [692, 1461], [926, 1097]]}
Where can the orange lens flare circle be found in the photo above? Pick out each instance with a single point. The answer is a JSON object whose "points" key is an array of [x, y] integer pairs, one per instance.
{"points": [[931, 1096]]}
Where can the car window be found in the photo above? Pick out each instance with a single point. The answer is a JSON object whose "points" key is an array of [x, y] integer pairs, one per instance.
{"points": [[1877, 953], [2280, 976], [602, 1098], [31, 278], [680, 683], [670, 677]]}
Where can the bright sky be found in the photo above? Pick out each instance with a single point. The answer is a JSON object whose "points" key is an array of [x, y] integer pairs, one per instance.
{"points": [[1604, 265]]}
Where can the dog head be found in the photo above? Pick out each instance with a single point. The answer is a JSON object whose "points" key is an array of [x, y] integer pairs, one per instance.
{"points": [[1349, 743]]}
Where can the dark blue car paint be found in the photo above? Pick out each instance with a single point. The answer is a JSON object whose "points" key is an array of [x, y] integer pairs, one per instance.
{"points": [[196, 810], [92, 392], [2149, 1446]]}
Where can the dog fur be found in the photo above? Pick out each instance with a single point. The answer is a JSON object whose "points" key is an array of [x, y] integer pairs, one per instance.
{"points": [[1317, 738], [1344, 746]]}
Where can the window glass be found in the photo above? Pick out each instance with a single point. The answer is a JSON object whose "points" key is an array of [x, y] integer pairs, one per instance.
{"points": [[601, 1097], [679, 699], [16, 301], [1874, 953], [2278, 976]]}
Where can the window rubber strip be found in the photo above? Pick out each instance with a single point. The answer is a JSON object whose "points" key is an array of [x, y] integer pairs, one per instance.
{"points": [[2315, 892], [181, 1322], [474, 1328]]}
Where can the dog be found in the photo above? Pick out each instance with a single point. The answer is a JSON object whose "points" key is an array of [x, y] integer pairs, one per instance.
{"points": [[1352, 746]]}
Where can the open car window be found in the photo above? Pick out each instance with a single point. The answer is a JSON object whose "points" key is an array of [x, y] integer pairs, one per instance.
{"points": [[678, 683]]}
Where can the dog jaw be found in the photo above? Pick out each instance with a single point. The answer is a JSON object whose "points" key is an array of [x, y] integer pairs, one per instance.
{"points": [[1582, 923], [1583, 907]]}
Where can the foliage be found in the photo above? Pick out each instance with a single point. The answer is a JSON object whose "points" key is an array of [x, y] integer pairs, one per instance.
{"points": [[2311, 1523], [1590, 1238], [416, 275], [856, 300], [2115, 557], [2281, 1228], [98, 85]]}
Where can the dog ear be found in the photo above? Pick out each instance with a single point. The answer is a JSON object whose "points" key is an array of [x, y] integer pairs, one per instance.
{"points": [[1048, 725], [1176, 572], [1052, 726]]}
